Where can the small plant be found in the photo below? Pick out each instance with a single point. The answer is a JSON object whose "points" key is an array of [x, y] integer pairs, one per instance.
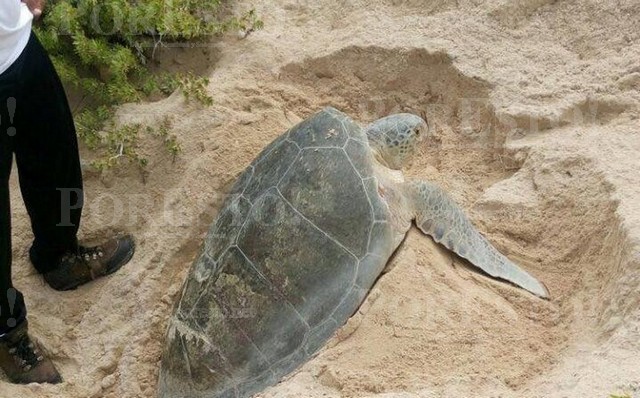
{"points": [[249, 23], [194, 87], [120, 144], [89, 122], [102, 48], [170, 140]]}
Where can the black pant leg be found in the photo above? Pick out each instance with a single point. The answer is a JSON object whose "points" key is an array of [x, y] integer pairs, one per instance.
{"points": [[47, 157], [11, 301], [5, 225]]}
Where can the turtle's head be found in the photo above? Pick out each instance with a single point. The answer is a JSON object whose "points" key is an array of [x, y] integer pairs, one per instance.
{"points": [[394, 137]]}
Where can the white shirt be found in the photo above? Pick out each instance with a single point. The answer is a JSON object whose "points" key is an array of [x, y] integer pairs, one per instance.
{"points": [[15, 29]]}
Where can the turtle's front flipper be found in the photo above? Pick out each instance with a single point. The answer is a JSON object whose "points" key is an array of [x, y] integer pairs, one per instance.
{"points": [[438, 216]]}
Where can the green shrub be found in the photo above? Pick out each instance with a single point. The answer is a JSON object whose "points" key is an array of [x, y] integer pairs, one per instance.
{"points": [[102, 48]]}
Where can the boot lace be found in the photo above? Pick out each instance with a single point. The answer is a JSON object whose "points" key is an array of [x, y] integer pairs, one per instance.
{"points": [[84, 254], [25, 353]]}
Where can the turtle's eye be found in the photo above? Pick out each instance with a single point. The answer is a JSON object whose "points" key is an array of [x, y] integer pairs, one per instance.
{"points": [[421, 130]]}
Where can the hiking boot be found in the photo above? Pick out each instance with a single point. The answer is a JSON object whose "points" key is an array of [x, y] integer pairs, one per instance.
{"points": [[22, 360], [89, 263]]}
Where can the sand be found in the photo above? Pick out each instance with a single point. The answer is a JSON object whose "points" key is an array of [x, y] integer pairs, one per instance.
{"points": [[533, 107]]}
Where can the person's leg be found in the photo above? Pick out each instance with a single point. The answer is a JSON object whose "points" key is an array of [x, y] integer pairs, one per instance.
{"points": [[20, 358], [12, 309], [46, 151], [48, 162]]}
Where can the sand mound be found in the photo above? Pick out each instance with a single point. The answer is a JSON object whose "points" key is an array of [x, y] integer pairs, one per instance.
{"points": [[533, 110]]}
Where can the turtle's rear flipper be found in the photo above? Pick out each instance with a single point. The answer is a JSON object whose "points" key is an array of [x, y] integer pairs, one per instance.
{"points": [[438, 216]]}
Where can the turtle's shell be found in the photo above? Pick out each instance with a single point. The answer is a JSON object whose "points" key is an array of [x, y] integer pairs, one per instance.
{"points": [[296, 247]]}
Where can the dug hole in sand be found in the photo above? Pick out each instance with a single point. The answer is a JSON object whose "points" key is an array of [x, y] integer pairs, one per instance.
{"points": [[533, 109]]}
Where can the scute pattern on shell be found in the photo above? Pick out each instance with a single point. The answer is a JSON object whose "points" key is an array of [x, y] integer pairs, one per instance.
{"points": [[296, 247]]}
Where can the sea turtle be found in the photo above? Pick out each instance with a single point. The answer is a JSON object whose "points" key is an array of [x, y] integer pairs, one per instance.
{"points": [[306, 231]]}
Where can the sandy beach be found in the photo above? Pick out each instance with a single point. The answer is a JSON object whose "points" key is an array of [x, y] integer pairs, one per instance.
{"points": [[533, 108]]}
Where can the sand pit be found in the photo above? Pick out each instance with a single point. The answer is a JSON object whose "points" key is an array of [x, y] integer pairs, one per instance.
{"points": [[533, 107]]}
